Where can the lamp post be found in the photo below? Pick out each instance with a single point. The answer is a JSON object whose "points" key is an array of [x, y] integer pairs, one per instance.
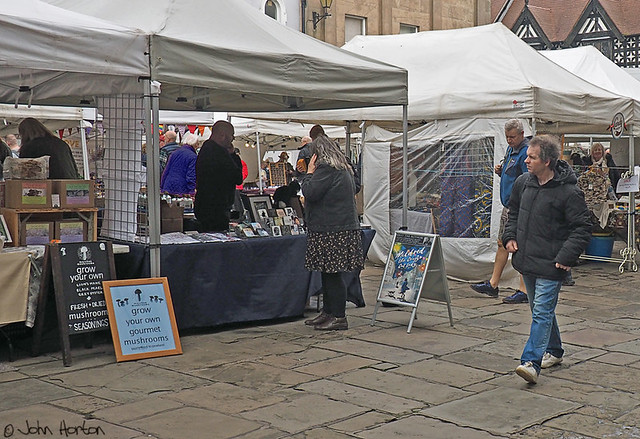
{"points": [[325, 4]]}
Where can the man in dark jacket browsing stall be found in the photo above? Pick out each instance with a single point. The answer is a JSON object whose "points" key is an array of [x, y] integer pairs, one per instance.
{"points": [[218, 171], [549, 226]]}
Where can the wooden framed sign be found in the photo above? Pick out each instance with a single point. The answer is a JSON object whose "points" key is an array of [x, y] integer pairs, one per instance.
{"points": [[415, 267], [78, 270], [143, 324]]}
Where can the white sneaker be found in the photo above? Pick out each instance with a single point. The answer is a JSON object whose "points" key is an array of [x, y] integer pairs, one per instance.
{"points": [[527, 372], [549, 360]]}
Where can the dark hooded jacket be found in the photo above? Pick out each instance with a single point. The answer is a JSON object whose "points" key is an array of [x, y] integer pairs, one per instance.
{"points": [[550, 223]]}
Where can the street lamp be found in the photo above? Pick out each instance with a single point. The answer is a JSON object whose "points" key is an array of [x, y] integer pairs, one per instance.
{"points": [[325, 4]]}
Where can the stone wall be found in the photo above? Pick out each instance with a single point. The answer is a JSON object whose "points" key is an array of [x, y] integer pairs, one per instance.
{"points": [[384, 17]]}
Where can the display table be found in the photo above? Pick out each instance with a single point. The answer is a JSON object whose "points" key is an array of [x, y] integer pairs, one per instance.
{"points": [[229, 282], [20, 270]]}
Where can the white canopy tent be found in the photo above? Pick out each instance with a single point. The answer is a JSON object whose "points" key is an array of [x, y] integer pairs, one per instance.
{"points": [[51, 55], [459, 81], [55, 119], [206, 55], [591, 65], [483, 71], [217, 55]]}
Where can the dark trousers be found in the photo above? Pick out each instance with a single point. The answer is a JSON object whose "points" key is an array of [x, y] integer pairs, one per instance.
{"points": [[334, 294], [214, 220]]}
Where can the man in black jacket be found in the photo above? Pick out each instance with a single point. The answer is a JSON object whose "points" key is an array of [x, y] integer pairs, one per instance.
{"points": [[549, 226], [218, 171]]}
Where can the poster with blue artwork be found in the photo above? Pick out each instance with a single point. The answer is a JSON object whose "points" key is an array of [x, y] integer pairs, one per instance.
{"points": [[406, 267]]}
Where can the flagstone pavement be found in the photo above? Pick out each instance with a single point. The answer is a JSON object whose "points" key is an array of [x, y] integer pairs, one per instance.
{"points": [[285, 380]]}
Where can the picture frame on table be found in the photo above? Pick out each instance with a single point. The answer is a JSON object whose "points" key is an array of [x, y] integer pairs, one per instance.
{"points": [[259, 203], [4, 230]]}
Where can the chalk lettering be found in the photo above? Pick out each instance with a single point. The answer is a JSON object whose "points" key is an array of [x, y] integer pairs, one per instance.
{"points": [[95, 324], [81, 270]]}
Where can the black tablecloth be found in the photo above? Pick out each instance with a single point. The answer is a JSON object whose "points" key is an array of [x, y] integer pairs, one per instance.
{"points": [[227, 282]]}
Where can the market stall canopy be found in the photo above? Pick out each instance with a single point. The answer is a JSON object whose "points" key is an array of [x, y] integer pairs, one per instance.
{"points": [[244, 127], [54, 118], [591, 65], [480, 72], [52, 55], [220, 55]]}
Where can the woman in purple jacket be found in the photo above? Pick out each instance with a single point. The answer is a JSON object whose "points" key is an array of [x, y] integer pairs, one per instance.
{"points": [[179, 177]]}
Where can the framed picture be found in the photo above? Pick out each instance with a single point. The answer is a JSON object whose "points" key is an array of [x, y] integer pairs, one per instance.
{"points": [[4, 230], [260, 202], [276, 231], [141, 318]]}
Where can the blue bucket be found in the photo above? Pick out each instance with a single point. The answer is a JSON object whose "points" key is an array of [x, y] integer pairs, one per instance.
{"points": [[601, 246]]}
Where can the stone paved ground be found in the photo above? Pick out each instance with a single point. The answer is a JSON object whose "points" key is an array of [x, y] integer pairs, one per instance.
{"points": [[283, 380]]}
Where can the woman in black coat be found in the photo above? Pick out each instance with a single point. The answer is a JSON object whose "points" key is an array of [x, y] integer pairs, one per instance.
{"points": [[38, 141], [334, 242]]}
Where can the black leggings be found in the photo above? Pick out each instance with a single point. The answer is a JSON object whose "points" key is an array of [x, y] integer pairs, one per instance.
{"points": [[334, 294]]}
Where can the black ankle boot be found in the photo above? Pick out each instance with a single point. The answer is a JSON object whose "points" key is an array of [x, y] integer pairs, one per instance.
{"points": [[333, 324], [320, 318]]}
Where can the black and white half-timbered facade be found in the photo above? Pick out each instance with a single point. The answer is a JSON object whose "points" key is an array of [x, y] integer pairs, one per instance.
{"points": [[612, 26]]}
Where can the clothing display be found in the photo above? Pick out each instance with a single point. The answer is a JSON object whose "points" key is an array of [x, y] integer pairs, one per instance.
{"points": [[595, 185]]}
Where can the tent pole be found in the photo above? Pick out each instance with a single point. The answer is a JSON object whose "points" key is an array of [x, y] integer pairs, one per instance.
{"points": [[631, 229], [347, 141], [152, 115], [405, 165], [259, 161], [85, 152]]}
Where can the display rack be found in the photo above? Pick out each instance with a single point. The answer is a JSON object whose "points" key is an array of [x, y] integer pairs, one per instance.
{"points": [[17, 218]]}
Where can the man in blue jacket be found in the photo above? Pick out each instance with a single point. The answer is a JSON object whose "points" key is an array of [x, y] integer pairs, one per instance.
{"points": [[511, 167], [549, 226]]}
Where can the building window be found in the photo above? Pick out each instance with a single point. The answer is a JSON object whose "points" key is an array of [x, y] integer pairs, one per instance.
{"points": [[271, 9], [408, 29], [354, 26]]}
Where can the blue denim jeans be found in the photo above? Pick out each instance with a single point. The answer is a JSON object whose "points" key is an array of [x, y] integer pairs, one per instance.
{"points": [[544, 335]]}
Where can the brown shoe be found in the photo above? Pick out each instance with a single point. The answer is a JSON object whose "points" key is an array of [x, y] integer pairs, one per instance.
{"points": [[320, 318], [333, 324]]}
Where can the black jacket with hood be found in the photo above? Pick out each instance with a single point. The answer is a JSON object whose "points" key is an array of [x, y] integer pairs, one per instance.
{"points": [[550, 223]]}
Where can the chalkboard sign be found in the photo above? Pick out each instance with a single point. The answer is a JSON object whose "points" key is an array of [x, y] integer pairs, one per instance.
{"points": [[415, 267], [78, 271], [143, 324]]}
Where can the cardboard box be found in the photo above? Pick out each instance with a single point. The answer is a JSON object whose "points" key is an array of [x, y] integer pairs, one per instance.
{"points": [[171, 217], [28, 194], [36, 233], [171, 225], [71, 230], [75, 193]]}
